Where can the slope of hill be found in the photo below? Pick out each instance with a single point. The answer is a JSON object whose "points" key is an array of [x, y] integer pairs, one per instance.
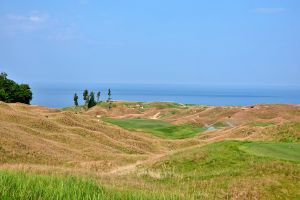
{"points": [[132, 149], [34, 135]]}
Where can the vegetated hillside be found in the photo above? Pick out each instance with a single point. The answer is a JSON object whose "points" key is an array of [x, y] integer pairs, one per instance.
{"points": [[134, 150], [228, 170], [260, 122], [201, 114], [34, 135]]}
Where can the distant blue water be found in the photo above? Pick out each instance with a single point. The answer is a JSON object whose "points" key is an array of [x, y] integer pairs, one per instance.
{"points": [[57, 96]]}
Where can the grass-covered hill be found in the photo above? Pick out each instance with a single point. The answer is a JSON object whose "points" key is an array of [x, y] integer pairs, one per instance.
{"points": [[157, 150]]}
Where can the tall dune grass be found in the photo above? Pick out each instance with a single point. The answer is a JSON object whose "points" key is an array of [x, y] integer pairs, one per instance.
{"points": [[26, 186]]}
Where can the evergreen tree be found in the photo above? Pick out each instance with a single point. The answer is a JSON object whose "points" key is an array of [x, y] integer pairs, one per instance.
{"points": [[86, 96], [91, 101], [98, 96], [109, 95], [109, 99], [75, 99]]}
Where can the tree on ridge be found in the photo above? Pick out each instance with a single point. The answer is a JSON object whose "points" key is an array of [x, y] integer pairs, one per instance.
{"points": [[86, 96], [109, 99], [98, 96], [91, 101], [75, 99]]}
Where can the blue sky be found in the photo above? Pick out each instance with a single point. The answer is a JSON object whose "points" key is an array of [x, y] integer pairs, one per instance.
{"points": [[249, 42]]}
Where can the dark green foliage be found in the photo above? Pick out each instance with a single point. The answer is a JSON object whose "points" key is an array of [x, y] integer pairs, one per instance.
{"points": [[86, 96], [98, 96], [75, 99], [2, 94], [12, 92], [92, 101], [109, 95], [109, 99]]}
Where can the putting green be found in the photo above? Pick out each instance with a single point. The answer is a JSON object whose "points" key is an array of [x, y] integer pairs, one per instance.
{"points": [[158, 127], [277, 150]]}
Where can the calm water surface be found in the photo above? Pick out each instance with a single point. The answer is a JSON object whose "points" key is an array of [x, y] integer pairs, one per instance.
{"points": [[57, 96]]}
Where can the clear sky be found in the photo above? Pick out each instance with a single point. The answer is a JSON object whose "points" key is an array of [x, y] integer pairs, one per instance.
{"points": [[251, 42]]}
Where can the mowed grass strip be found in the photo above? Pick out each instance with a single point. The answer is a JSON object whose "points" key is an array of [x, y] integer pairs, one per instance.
{"points": [[25, 186], [158, 127], [277, 150]]}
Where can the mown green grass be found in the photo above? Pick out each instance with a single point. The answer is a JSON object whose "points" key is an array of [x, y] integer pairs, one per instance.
{"points": [[284, 151], [158, 127], [26, 186], [223, 170]]}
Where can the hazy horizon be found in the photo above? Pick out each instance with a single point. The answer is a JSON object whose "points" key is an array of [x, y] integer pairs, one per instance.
{"points": [[61, 95]]}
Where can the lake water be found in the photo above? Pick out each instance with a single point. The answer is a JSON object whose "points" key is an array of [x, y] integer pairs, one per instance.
{"points": [[57, 96]]}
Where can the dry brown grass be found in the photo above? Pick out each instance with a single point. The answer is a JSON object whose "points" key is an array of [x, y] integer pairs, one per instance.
{"points": [[41, 136], [38, 137], [35, 138]]}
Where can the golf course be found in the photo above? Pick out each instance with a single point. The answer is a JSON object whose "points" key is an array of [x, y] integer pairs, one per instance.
{"points": [[159, 150]]}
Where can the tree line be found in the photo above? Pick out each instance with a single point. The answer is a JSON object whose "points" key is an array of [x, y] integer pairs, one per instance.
{"points": [[12, 92], [89, 98]]}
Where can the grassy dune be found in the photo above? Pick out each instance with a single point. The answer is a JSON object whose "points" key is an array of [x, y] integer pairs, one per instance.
{"points": [[252, 154], [18, 185], [158, 128], [222, 170], [24, 186]]}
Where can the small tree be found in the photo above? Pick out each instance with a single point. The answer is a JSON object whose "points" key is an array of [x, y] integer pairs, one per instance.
{"points": [[109, 95], [75, 99], [86, 96], [91, 101], [98, 96], [109, 99]]}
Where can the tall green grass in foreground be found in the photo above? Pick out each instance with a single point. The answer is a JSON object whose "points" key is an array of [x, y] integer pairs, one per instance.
{"points": [[157, 127], [26, 186]]}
